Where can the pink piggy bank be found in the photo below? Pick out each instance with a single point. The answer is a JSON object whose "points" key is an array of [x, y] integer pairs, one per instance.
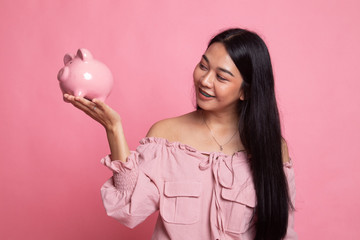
{"points": [[84, 76]]}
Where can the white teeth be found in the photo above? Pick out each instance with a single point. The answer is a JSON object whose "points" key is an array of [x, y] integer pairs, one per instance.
{"points": [[205, 93]]}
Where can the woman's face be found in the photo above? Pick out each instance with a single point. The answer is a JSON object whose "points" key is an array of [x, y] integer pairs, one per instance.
{"points": [[217, 80]]}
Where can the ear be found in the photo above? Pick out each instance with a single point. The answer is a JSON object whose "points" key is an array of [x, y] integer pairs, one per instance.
{"points": [[67, 58], [242, 98], [84, 54]]}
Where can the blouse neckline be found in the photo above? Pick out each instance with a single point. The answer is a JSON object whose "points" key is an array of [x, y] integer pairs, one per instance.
{"points": [[185, 147]]}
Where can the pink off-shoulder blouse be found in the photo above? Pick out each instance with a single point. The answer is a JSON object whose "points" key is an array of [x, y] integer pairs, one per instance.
{"points": [[200, 195]]}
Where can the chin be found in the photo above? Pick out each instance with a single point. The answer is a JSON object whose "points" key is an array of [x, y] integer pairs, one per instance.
{"points": [[198, 104], [203, 105]]}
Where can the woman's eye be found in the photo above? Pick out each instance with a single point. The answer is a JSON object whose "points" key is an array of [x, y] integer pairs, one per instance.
{"points": [[221, 78], [202, 66]]}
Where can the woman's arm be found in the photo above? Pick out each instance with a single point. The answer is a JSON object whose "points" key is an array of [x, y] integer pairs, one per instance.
{"points": [[285, 151], [289, 172], [111, 121]]}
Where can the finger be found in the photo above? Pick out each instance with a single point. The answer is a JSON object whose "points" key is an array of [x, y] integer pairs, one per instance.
{"points": [[71, 99], [90, 105], [81, 106], [93, 112], [68, 97], [79, 103], [100, 104]]}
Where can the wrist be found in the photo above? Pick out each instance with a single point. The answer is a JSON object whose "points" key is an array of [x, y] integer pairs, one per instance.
{"points": [[114, 128]]}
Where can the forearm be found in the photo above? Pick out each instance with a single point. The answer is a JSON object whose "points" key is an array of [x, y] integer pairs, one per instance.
{"points": [[117, 143], [107, 117]]}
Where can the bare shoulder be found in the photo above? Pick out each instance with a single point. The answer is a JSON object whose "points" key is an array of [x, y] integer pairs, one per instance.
{"points": [[170, 128], [285, 151], [161, 128]]}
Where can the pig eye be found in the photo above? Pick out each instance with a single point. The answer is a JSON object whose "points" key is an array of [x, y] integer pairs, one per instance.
{"points": [[70, 62]]}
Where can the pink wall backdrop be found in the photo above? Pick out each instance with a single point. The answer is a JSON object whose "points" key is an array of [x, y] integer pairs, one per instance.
{"points": [[50, 175]]}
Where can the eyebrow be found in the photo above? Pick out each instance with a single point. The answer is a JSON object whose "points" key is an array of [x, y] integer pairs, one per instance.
{"points": [[221, 69]]}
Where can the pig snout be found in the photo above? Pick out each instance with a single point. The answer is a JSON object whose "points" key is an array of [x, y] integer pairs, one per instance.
{"points": [[63, 74]]}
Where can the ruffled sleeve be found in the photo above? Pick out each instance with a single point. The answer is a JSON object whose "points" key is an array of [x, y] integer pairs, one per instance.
{"points": [[125, 174], [130, 196], [289, 172]]}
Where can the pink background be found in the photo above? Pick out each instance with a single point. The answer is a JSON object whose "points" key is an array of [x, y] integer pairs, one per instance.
{"points": [[50, 173]]}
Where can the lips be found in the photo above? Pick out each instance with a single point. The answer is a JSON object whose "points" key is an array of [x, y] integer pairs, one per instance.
{"points": [[205, 93]]}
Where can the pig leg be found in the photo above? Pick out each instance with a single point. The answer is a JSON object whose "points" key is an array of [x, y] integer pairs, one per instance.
{"points": [[79, 93]]}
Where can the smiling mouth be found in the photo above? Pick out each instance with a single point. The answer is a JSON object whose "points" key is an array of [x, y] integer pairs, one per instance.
{"points": [[205, 94]]}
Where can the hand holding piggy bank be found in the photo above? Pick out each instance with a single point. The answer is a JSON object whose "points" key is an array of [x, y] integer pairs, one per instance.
{"points": [[84, 76]]}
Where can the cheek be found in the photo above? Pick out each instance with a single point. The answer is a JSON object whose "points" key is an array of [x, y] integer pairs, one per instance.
{"points": [[223, 89], [196, 75], [227, 92]]}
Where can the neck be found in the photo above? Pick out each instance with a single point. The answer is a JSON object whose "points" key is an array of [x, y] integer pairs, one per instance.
{"points": [[220, 121], [221, 127]]}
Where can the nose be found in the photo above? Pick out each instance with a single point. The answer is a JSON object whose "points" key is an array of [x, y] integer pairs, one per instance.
{"points": [[207, 80], [63, 74]]}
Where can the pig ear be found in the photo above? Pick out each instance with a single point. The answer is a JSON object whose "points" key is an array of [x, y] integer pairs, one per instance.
{"points": [[84, 54], [67, 58]]}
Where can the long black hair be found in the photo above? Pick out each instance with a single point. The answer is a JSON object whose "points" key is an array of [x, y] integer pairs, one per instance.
{"points": [[260, 130]]}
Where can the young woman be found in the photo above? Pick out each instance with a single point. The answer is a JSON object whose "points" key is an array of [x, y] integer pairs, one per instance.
{"points": [[220, 172]]}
